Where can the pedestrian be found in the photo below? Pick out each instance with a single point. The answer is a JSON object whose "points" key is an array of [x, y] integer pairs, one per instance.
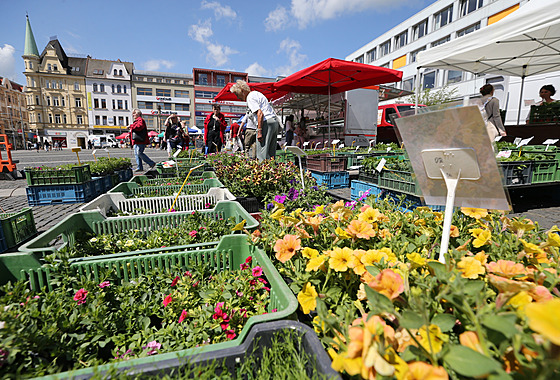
{"points": [[301, 133], [250, 132], [491, 105], [89, 145], [264, 117], [47, 145], [173, 134], [139, 139], [214, 129], [546, 93], [289, 130], [235, 138]]}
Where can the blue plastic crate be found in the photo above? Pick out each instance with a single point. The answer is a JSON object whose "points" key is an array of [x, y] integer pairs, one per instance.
{"points": [[107, 183], [54, 194], [331, 180], [125, 175], [98, 185], [359, 189]]}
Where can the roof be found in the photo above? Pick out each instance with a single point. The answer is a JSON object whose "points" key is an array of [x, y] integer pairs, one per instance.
{"points": [[30, 45], [105, 65], [14, 86], [79, 63], [162, 74], [59, 52]]}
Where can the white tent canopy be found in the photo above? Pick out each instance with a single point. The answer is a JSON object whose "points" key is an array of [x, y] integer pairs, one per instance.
{"points": [[526, 42]]}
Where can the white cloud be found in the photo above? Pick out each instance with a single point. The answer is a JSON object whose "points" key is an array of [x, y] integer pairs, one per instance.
{"points": [[8, 62], [201, 32], [278, 19], [157, 64], [292, 49], [257, 70], [219, 54], [220, 11]]}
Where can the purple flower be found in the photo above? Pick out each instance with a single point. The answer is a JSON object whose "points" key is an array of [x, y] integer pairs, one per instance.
{"points": [[280, 198], [269, 206], [364, 196]]}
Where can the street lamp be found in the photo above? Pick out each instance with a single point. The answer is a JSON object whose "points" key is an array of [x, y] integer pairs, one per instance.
{"points": [[158, 117], [13, 130]]}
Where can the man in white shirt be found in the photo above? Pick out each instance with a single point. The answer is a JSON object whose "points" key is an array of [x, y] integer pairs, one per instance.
{"points": [[267, 123]]}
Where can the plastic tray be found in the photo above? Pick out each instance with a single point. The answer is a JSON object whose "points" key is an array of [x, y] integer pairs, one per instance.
{"points": [[143, 180], [332, 180], [118, 202], [251, 204], [65, 232], [257, 339], [54, 194], [516, 173], [75, 175], [326, 163], [544, 171], [17, 227], [132, 188], [359, 189]]}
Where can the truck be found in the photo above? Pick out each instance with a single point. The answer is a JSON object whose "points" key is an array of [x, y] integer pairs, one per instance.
{"points": [[103, 141], [386, 131]]}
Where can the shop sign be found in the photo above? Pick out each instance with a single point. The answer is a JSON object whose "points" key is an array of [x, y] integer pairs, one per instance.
{"points": [[54, 133]]}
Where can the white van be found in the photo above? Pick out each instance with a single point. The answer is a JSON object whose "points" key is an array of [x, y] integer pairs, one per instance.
{"points": [[102, 141]]}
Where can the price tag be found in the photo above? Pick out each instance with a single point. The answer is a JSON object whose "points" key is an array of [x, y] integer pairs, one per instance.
{"points": [[497, 138], [504, 154], [335, 141], [525, 141], [306, 143], [381, 165], [550, 141], [388, 149], [517, 141]]}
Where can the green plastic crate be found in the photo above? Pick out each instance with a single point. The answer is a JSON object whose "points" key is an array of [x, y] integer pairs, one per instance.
{"points": [[401, 181], [18, 226], [183, 167], [143, 180], [75, 175], [230, 253], [131, 188], [544, 171]]}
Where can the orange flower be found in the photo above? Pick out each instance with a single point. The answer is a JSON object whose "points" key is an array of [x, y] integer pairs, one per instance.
{"points": [[360, 229], [355, 262], [505, 285], [424, 371], [454, 232], [384, 234], [470, 340], [505, 268], [286, 248], [540, 294], [473, 212], [388, 283], [314, 222]]}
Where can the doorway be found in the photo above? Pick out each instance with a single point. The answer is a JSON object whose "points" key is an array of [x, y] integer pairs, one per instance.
{"points": [[82, 142]]}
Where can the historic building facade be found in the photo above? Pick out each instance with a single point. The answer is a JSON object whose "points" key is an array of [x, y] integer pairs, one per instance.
{"points": [[14, 118]]}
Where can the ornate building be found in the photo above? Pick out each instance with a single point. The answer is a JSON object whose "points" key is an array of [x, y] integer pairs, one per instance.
{"points": [[14, 120]]}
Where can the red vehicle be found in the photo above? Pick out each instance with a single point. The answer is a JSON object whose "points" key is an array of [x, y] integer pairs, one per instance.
{"points": [[386, 131]]}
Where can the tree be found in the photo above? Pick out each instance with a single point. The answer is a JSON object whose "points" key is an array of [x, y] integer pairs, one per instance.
{"points": [[430, 97]]}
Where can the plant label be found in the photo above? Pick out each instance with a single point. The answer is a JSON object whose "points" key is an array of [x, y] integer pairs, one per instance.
{"points": [[497, 138], [369, 150], [388, 149], [525, 141], [454, 163], [381, 165], [306, 143], [517, 141], [550, 141], [504, 153], [335, 141]]}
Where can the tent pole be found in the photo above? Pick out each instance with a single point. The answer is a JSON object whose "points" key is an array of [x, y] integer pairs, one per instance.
{"points": [[329, 88], [416, 89], [521, 93]]}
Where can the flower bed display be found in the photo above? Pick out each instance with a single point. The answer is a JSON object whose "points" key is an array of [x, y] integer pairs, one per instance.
{"points": [[203, 301]]}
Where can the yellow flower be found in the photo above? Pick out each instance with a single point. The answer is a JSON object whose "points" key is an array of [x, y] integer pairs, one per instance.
{"points": [[278, 214], [543, 318], [315, 263], [454, 232], [373, 256], [309, 253], [553, 239], [476, 213], [520, 299], [470, 267], [278, 205], [480, 256], [360, 229], [340, 258], [239, 226], [355, 262], [307, 298], [535, 251], [361, 295], [384, 234], [519, 226], [369, 215], [481, 237], [314, 222], [318, 324], [390, 255], [432, 339], [416, 260], [342, 234]]}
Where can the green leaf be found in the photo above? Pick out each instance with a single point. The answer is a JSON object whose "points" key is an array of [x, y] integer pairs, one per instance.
{"points": [[374, 271], [470, 363], [379, 303], [501, 323], [502, 375], [411, 320], [440, 270], [444, 321], [146, 322], [473, 288]]}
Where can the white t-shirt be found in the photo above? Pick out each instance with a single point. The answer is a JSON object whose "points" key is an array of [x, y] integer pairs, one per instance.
{"points": [[257, 101]]}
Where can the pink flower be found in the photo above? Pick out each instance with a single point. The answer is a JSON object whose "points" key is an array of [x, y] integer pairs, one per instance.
{"points": [[274, 310], [239, 294], [192, 233], [195, 284], [80, 296], [230, 334], [184, 315], [266, 288], [244, 266], [188, 274], [175, 280], [167, 300], [172, 210], [257, 271], [153, 346], [260, 279], [104, 284]]}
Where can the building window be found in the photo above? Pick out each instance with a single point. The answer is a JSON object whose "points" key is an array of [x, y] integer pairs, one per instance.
{"points": [[114, 104], [37, 102], [468, 6], [121, 120], [95, 103], [95, 87], [159, 80], [143, 91], [49, 67], [440, 41], [163, 92], [205, 94], [63, 99], [181, 94], [119, 88], [124, 88], [31, 65], [55, 67], [55, 101], [98, 72], [103, 104], [385, 48], [401, 40], [113, 88], [50, 118], [120, 73], [177, 81], [120, 104], [468, 30], [408, 84], [221, 80], [78, 102], [359, 59], [454, 76], [150, 79], [76, 86], [60, 85], [414, 54], [101, 87], [443, 18], [420, 30], [39, 118], [97, 120], [127, 121], [429, 80], [57, 118], [166, 106], [181, 107], [114, 120], [146, 105], [371, 55], [168, 81], [79, 119], [64, 120], [47, 84], [141, 79], [104, 120], [126, 104], [203, 79], [185, 82]]}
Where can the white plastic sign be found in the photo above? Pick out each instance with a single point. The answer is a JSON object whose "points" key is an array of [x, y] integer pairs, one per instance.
{"points": [[335, 141], [517, 141], [341, 146], [525, 141], [177, 153], [388, 149], [381, 165], [550, 141], [504, 153], [497, 138], [306, 143], [454, 163]]}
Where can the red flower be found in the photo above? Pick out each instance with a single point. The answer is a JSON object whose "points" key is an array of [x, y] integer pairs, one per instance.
{"points": [[248, 260], [80, 296], [167, 300], [244, 266], [175, 280], [195, 284], [184, 315], [230, 334]]}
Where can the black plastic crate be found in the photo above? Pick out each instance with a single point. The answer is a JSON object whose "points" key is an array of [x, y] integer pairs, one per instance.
{"points": [[517, 173], [251, 204]]}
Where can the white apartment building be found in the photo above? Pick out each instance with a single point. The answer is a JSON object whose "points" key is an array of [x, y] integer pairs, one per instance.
{"points": [[437, 24], [109, 101]]}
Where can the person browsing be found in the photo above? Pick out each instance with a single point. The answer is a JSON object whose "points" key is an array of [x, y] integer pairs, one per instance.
{"points": [[214, 129]]}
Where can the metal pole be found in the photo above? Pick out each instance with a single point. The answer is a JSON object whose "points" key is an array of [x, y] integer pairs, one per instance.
{"points": [[23, 139], [329, 88], [521, 93], [13, 130]]}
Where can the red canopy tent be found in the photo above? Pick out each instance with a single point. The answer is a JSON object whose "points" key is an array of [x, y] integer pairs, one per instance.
{"points": [[122, 136], [266, 88], [152, 133], [332, 76]]}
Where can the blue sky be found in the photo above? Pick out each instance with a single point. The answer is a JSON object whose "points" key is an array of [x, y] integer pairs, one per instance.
{"points": [[265, 38]]}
